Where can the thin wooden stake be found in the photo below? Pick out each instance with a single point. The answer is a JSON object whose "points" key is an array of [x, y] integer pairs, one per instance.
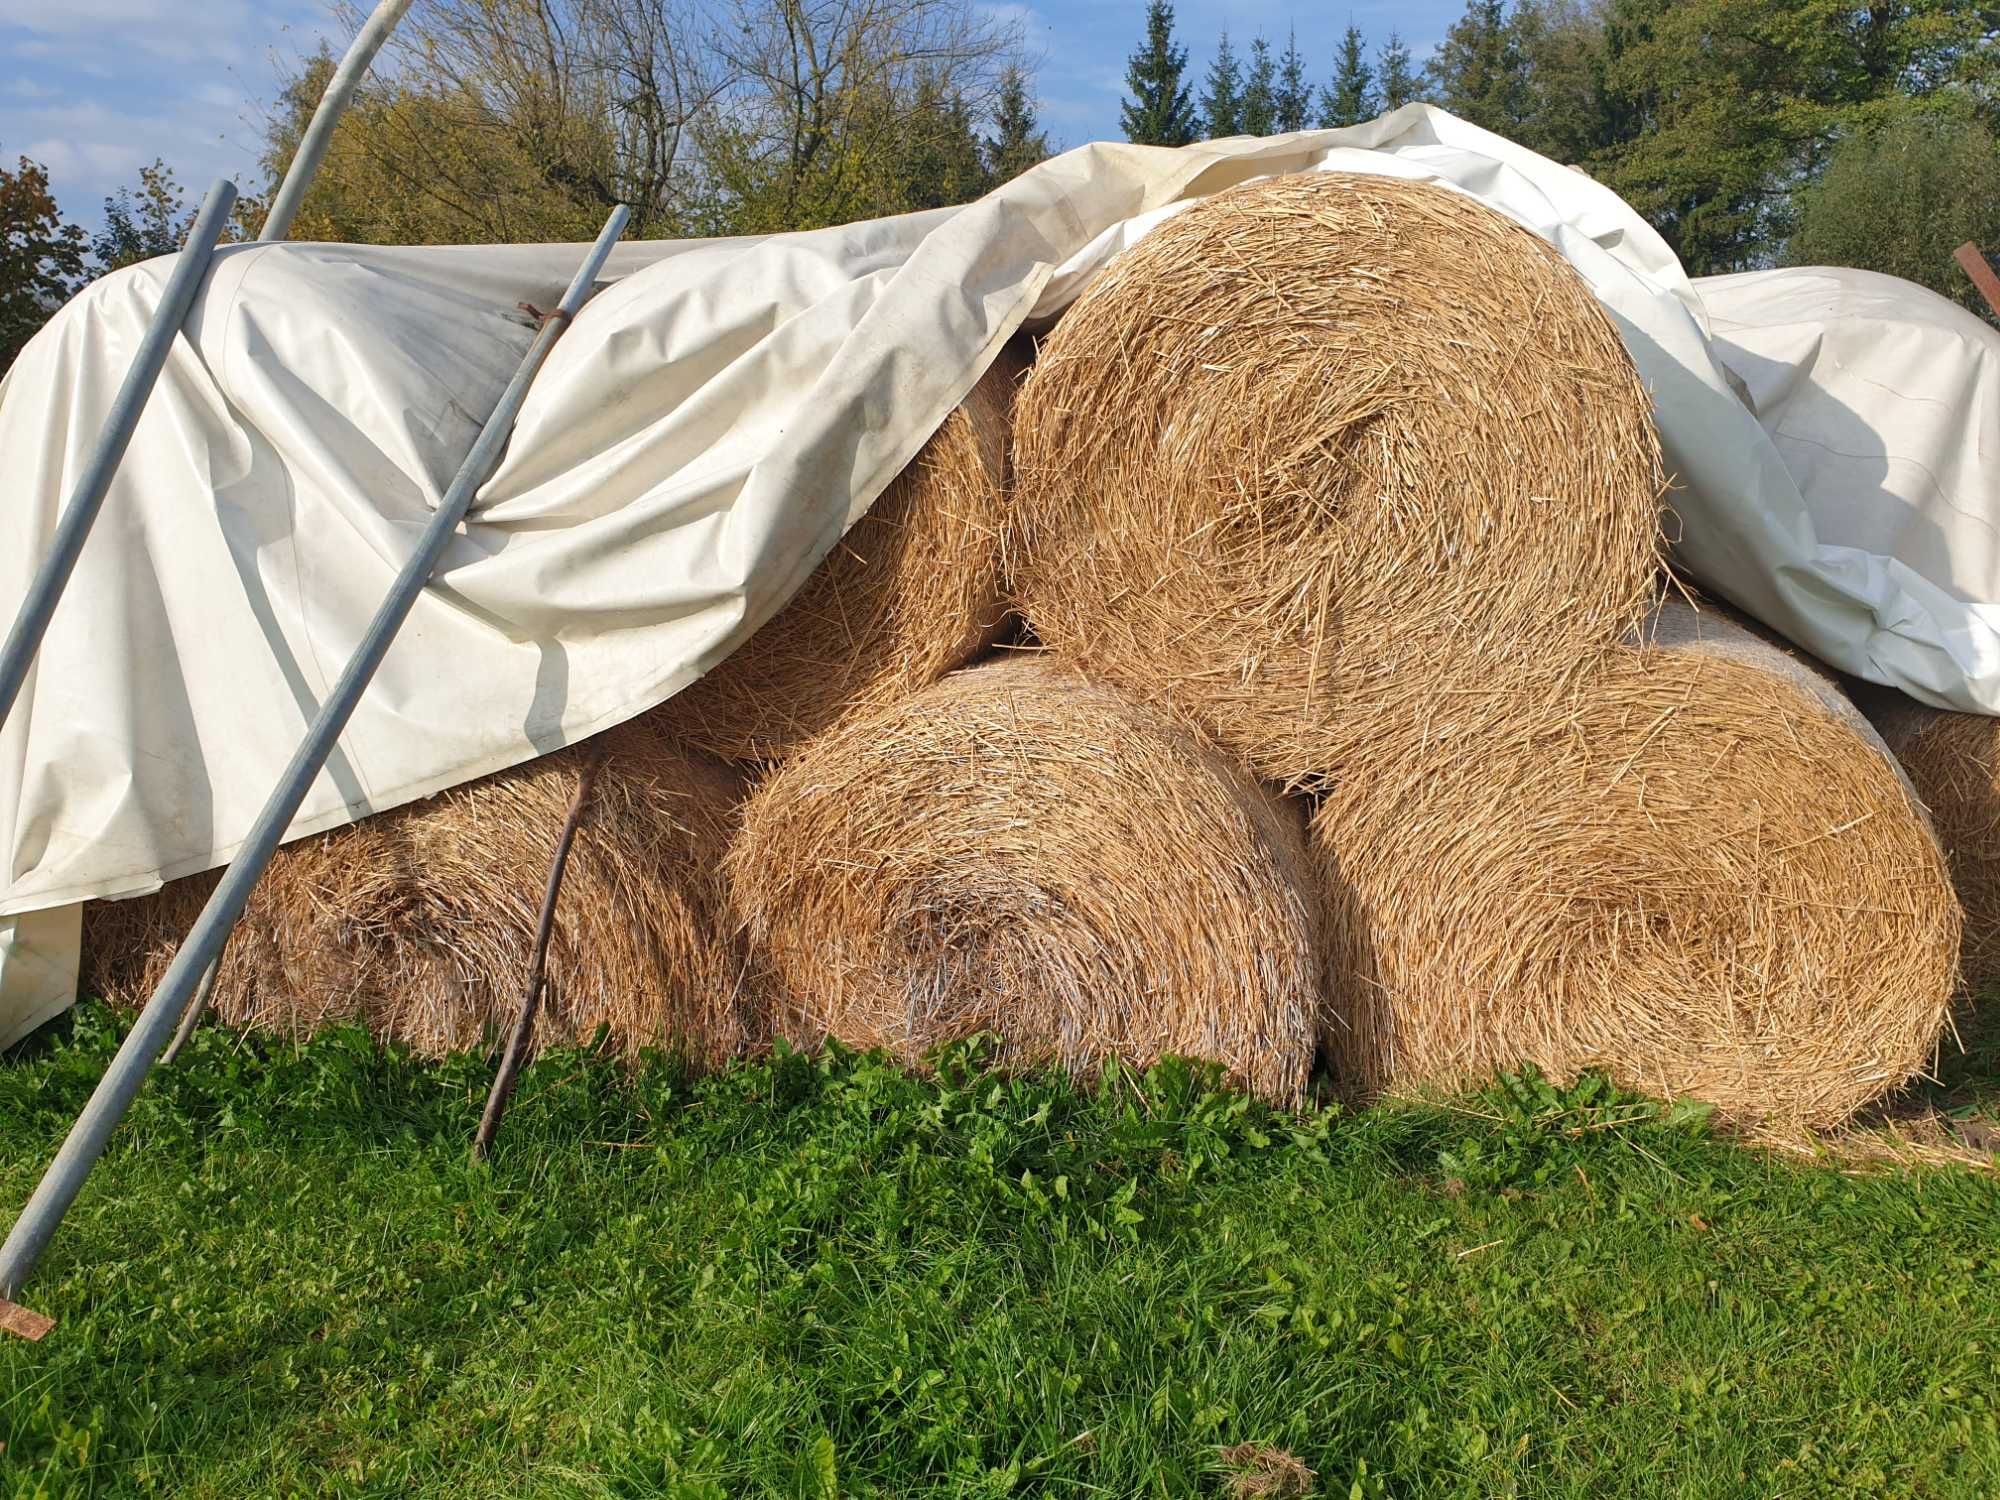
{"points": [[524, 1023], [32, 1326], [1972, 260]]}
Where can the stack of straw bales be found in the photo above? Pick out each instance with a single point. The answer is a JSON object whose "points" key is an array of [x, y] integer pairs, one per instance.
{"points": [[1335, 498], [1954, 761], [1016, 851], [420, 922], [913, 590], [1355, 476]]}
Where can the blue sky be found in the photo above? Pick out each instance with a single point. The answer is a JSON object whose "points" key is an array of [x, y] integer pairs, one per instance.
{"points": [[95, 89]]}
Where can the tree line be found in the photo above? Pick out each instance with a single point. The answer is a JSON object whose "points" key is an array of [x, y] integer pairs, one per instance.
{"points": [[1748, 132], [495, 121]]}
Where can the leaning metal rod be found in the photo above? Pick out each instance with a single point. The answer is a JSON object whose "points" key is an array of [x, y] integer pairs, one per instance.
{"points": [[87, 499], [127, 1073], [277, 225], [332, 105]]}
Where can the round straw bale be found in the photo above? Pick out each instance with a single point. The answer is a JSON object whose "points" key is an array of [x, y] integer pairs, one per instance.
{"points": [[1324, 446], [912, 591], [420, 922], [1704, 876], [1017, 851], [1953, 759]]}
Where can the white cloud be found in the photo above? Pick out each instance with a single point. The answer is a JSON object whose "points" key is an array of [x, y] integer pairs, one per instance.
{"points": [[68, 158], [1031, 22], [188, 33], [1071, 112], [108, 85]]}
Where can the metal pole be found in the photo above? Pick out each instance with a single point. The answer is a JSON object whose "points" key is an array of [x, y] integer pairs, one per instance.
{"points": [[123, 1079], [332, 105], [32, 622]]}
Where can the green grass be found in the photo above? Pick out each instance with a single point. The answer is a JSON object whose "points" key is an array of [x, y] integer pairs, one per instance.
{"points": [[818, 1278]]}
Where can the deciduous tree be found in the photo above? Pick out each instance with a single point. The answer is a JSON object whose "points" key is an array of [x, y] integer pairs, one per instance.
{"points": [[41, 257], [1900, 194], [140, 225]]}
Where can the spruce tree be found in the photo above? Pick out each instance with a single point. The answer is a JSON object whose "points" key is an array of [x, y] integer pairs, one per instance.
{"points": [[1396, 75], [1478, 71], [940, 156], [1222, 98], [1015, 144], [1260, 91], [1159, 113], [1294, 93], [1350, 98]]}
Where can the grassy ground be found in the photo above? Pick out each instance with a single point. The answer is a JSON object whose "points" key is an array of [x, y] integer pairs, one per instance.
{"points": [[829, 1279]]}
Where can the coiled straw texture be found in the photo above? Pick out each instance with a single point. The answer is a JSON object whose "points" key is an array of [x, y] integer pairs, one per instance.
{"points": [[1018, 851]]}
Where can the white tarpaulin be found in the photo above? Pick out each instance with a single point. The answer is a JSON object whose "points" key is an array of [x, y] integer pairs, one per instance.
{"points": [[714, 420], [1883, 400]]}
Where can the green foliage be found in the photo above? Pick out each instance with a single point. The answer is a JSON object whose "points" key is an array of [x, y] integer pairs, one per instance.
{"points": [[1294, 101], [1350, 98], [1222, 94], [809, 1277], [941, 161], [41, 257], [1716, 110], [1260, 91], [1159, 111], [139, 226], [1396, 75], [1017, 143], [508, 120], [419, 161], [838, 111], [1562, 46], [1899, 194], [1479, 71]]}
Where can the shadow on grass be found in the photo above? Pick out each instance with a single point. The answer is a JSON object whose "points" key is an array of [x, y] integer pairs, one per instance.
{"points": [[1958, 1109]]}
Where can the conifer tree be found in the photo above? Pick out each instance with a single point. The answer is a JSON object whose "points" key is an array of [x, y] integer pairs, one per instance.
{"points": [[1396, 76], [1260, 91], [1222, 97], [1294, 93], [1016, 144], [1159, 113], [1350, 98]]}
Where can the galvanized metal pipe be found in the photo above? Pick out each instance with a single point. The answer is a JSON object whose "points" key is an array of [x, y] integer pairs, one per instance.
{"points": [[31, 623], [127, 1073], [332, 105]]}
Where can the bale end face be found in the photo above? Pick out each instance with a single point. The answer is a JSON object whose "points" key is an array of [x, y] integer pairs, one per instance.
{"points": [[1019, 852], [420, 922], [1323, 448], [1699, 875], [1953, 760]]}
